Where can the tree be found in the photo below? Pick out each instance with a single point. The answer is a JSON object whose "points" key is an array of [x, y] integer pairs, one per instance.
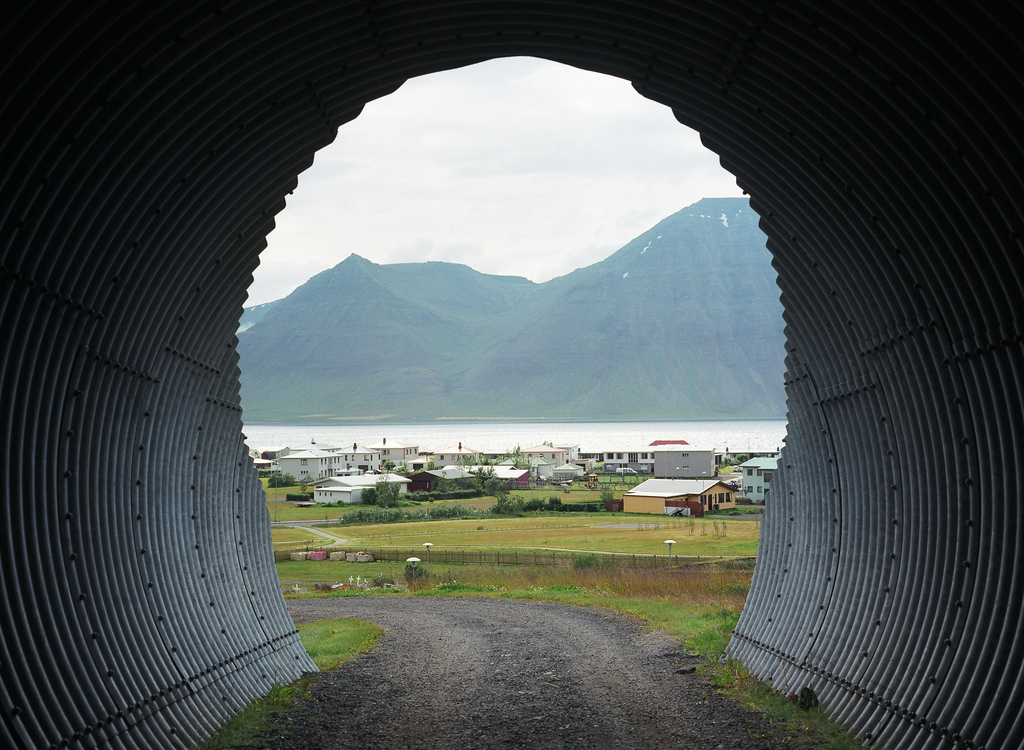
{"points": [[519, 459], [386, 493], [279, 479]]}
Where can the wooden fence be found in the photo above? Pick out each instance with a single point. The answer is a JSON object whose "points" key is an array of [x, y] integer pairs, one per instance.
{"points": [[481, 557]]}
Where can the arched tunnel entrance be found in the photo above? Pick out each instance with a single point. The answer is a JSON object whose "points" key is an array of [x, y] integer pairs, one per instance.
{"points": [[146, 149]]}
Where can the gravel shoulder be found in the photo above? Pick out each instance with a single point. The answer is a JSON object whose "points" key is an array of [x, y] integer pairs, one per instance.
{"points": [[494, 673]]}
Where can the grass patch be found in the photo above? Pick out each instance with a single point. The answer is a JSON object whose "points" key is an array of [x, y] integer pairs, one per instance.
{"points": [[330, 643]]}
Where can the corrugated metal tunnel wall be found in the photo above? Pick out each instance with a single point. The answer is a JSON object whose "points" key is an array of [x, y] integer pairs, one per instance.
{"points": [[144, 151]]}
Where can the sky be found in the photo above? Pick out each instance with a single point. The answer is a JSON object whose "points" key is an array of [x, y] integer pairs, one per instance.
{"points": [[516, 167]]}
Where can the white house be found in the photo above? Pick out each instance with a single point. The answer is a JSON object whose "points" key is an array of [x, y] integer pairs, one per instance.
{"points": [[640, 460], [757, 477], [683, 462], [567, 472], [396, 453], [312, 464], [348, 489], [460, 456], [572, 453], [359, 458]]}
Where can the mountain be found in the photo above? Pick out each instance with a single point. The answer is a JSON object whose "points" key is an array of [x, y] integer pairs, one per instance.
{"points": [[684, 322]]}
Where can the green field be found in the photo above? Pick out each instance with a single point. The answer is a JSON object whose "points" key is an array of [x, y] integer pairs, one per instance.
{"points": [[583, 532]]}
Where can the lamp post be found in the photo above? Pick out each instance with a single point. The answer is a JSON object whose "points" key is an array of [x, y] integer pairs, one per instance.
{"points": [[670, 542], [413, 561], [428, 545]]}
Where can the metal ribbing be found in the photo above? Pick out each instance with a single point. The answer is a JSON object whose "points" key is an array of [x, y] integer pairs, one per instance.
{"points": [[146, 149]]}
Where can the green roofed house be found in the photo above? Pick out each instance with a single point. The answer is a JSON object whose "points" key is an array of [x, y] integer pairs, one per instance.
{"points": [[757, 477]]}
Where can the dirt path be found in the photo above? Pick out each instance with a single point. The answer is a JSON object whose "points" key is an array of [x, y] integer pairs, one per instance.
{"points": [[487, 673]]}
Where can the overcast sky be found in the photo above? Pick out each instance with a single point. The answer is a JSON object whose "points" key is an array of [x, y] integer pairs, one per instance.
{"points": [[516, 166]]}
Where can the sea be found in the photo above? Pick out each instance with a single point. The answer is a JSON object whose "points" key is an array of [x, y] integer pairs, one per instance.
{"points": [[736, 436]]}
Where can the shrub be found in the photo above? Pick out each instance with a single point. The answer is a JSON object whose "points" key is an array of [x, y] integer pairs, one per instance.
{"points": [[535, 504], [507, 505], [592, 506], [298, 497], [555, 504]]}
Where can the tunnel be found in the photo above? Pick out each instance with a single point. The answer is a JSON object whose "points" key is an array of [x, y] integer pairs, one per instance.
{"points": [[145, 150]]}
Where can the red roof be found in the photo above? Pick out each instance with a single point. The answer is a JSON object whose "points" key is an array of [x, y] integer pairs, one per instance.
{"points": [[670, 442]]}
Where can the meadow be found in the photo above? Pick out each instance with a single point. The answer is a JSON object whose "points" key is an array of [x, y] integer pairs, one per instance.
{"points": [[598, 533]]}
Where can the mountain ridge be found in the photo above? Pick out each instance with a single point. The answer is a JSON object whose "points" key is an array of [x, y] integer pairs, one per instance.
{"points": [[682, 322]]}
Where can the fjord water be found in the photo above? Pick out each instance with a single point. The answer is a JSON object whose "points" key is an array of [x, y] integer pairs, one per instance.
{"points": [[735, 435]]}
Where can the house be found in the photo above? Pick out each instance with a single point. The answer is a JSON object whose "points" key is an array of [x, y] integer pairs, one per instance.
{"points": [[640, 460], [519, 477], [459, 456], [312, 464], [423, 481], [572, 453], [541, 468], [396, 453], [683, 462], [757, 476], [567, 472], [557, 456], [348, 489], [672, 496], [360, 458]]}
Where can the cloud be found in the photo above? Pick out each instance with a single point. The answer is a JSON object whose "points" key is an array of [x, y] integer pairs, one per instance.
{"points": [[514, 166]]}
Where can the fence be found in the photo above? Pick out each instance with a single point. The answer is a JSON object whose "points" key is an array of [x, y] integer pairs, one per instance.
{"points": [[479, 557]]}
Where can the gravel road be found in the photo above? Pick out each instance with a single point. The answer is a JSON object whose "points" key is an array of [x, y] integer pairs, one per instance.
{"points": [[490, 673]]}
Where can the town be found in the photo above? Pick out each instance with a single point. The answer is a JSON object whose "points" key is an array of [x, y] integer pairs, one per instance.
{"points": [[669, 477]]}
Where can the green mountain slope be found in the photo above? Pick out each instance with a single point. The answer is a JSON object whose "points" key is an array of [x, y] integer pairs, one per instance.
{"points": [[684, 322]]}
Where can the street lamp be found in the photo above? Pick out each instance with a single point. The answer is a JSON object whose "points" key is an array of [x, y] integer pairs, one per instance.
{"points": [[428, 545], [670, 542], [413, 561]]}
